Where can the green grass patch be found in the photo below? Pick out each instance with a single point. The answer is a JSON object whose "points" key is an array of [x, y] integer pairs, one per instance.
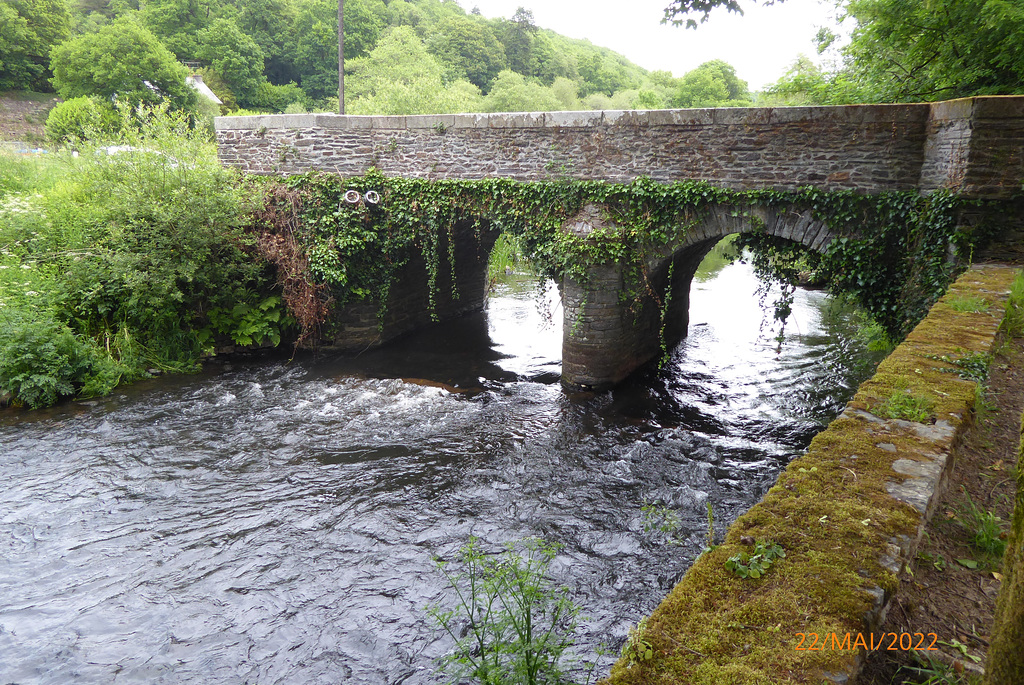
{"points": [[906, 406], [974, 304], [987, 531], [1013, 321]]}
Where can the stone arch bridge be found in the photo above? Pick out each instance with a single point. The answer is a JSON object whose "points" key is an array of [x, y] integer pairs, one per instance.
{"points": [[973, 147]]}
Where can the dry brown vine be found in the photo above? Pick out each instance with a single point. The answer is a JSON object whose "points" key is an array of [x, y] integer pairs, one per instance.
{"points": [[275, 225]]}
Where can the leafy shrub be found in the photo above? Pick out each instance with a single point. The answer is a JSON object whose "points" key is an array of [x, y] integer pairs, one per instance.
{"points": [[134, 259], [168, 247], [510, 624], [42, 361], [277, 98], [81, 118]]}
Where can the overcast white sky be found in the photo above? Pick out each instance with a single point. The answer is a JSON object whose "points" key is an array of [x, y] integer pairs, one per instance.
{"points": [[761, 44]]}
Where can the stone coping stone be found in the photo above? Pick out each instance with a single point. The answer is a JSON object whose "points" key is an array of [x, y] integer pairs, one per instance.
{"points": [[849, 514], [725, 116]]}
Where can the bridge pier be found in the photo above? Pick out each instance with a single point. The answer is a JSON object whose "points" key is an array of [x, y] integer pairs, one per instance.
{"points": [[357, 326], [607, 335], [613, 320]]}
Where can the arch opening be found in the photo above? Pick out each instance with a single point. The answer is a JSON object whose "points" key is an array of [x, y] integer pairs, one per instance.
{"points": [[606, 339]]}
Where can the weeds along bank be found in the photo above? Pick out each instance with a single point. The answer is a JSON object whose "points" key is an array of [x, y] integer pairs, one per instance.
{"points": [[120, 260], [147, 254]]}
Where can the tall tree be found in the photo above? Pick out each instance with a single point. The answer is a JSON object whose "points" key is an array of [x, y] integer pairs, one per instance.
{"points": [[469, 48], [512, 92], [517, 35], [234, 56], [399, 76], [177, 22], [712, 84], [907, 50], [316, 40], [123, 61], [270, 23], [28, 31], [316, 47]]}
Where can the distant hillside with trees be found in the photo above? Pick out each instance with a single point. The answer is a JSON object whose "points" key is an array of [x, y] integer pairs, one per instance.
{"points": [[402, 57]]}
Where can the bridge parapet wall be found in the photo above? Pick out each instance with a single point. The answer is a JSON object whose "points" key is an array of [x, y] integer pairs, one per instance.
{"points": [[973, 146]]}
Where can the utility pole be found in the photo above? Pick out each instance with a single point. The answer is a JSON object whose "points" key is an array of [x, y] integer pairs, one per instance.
{"points": [[341, 56]]}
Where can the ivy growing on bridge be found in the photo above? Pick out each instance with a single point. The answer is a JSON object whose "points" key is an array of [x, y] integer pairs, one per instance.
{"points": [[896, 253], [892, 254]]}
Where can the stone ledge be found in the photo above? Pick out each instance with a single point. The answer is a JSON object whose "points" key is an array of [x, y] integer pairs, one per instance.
{"points": [[849, 513], [722, 116]]}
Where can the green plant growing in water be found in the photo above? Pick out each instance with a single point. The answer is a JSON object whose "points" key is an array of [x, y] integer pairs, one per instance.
{"points": [[755, 565], [506, 256], [905, 406], [250, 324], [510, 623]]}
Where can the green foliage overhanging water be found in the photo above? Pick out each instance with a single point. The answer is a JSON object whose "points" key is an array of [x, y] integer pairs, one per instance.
{"points": [[115, 260]]}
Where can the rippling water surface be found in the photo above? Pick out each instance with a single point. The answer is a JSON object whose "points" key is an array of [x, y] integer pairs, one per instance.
{"points": [[276, 522]]}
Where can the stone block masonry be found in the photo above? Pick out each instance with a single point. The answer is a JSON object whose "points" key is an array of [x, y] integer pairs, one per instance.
{"points": [[973, 146]]}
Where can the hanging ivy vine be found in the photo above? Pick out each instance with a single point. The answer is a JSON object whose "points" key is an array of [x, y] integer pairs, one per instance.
{"points": [[893, 250], [896, 253]]}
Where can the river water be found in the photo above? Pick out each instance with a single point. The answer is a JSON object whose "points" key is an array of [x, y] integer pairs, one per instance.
{"points": [[276, 522]]}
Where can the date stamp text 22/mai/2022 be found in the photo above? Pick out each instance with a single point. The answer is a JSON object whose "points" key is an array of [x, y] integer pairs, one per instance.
{"points": [[813, 642]]}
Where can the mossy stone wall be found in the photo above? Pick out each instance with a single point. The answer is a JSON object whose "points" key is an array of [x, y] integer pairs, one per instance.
{"points": [[849, 513]]}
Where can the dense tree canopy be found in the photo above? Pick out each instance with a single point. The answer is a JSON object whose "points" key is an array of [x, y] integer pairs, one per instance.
{"points": [[123, 61], [712, 84], [916, 50], [275, 54], [468, 48], [905, 50], [177, 23], [28, 31], [399, 76], [234, 56]]}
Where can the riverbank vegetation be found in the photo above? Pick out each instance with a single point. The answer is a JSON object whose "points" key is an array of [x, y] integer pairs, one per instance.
{"points": [[123, 260]]}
